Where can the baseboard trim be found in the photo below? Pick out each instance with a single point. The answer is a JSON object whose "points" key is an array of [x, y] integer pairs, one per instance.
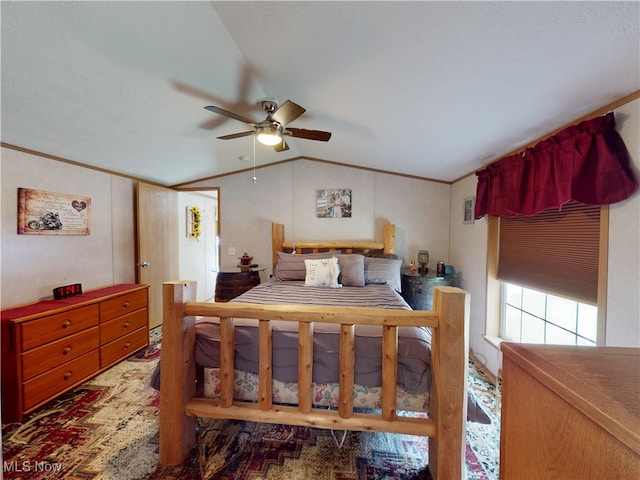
{"points": [[480, 365]]}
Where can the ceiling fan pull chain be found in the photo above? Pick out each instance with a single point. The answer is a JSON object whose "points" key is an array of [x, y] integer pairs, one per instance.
{"points": [[255, 179]]}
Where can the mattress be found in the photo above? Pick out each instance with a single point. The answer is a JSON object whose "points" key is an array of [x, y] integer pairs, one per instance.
{"points": [[413, 342]]}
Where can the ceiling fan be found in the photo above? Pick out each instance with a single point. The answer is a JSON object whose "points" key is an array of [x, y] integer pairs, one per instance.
{"points": [[272, 130]]}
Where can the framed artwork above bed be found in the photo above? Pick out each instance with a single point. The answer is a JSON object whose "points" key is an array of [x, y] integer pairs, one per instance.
{"points": [[333, 203]]}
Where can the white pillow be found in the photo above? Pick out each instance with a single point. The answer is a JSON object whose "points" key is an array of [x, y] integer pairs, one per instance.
{"points": [[322, 273]]}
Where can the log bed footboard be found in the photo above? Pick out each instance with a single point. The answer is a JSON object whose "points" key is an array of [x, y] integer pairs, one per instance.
{"points": [[446, 425]]}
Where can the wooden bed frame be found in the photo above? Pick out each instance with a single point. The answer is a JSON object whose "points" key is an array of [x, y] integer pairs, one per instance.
{"points": [[446, 425]]}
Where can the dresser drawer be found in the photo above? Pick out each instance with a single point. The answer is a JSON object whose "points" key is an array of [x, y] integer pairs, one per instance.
{"points": [[123, 304], [123, 347], [52, 383], [47, 329], [41, 359], [120, 326]]}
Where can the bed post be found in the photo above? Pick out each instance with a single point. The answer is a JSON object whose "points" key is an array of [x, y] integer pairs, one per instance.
{"points": [[448, 396], [177, 374], [277, 239], [389, 238]]}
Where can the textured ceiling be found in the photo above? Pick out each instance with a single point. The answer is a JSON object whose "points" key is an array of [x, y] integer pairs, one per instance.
{"points": [[431, 89]]}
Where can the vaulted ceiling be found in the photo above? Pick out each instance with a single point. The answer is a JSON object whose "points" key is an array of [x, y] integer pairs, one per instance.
{"points": [[428, 89]]}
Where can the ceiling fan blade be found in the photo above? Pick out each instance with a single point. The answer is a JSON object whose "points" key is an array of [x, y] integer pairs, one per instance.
{"points": [[309, 134], [226, 113], [287, 112], [236, 135], [281, 147]]}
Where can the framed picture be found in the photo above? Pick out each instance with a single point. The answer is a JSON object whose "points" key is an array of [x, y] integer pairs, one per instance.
{"points": [[333, 203], [49, 213], [469, 210]]}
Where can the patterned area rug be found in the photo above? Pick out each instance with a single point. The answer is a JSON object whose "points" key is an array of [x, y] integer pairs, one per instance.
{"points": [[108, 429]]}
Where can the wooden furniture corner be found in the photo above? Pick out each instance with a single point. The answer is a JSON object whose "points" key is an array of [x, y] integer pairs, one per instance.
{"points": [[570, 412]]}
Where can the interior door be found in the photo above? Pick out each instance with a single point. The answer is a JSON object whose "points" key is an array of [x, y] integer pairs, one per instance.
{"points": [[157, 255]]}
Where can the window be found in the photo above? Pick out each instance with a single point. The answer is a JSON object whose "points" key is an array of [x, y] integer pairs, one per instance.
{"points": [[557, 251], [546, 292], [532, 316]]}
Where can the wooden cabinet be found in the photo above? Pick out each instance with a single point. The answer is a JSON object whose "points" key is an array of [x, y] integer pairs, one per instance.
{"points": [[570, 412], [231, 283], [52, 346], [417, 288]]}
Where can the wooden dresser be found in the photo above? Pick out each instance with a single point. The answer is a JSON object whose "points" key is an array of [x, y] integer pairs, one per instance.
{"points": [[570, 412], [52, 346]]}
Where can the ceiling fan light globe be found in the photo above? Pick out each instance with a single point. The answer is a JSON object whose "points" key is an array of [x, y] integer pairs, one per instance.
{"points": [[269, 136]]}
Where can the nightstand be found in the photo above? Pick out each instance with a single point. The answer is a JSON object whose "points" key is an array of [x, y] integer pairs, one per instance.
{"points": [[417, 288], [233, 282]]}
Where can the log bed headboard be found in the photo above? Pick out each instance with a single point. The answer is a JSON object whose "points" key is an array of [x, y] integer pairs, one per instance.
{"points": [[386, 247]]}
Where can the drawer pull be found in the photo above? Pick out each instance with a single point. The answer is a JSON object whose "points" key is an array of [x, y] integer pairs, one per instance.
{"points": [[67, 350], [67, 375], [66, 323], [127, 345], [126, 304], [126, 324]]}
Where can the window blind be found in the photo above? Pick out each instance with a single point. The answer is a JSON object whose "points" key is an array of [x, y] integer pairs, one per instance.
{"points": [[556, 251]]}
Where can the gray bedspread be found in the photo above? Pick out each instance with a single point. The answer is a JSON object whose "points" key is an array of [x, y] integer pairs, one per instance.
{"points": [[413, 342]]}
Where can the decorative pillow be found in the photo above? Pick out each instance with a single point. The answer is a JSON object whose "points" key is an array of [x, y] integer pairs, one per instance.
{"points": [[383, 270], [322, 273], [351, 270], [291, 266]]}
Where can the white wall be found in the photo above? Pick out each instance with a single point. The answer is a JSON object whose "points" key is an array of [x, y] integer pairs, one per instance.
{"points": [[33, 265], [469, 255], [198, 257], [623, 289], [285, 193], [469, 247]]}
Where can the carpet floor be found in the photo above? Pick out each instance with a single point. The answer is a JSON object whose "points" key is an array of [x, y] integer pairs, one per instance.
{"points": [[108, 429]]}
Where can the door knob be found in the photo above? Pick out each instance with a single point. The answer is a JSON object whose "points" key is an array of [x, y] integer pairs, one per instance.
{"points": [[144, 264]]}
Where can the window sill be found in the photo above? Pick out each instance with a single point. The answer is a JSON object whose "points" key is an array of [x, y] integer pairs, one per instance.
{"points": [[493, 341]]}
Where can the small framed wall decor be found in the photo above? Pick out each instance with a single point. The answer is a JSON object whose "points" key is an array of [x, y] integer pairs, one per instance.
{"points": [[333, 203], [49, 213], [469, 210], [194, 221]]}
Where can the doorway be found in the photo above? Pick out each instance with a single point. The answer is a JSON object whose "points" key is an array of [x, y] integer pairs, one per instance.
{"points": [[166, 251], [199, 253]]}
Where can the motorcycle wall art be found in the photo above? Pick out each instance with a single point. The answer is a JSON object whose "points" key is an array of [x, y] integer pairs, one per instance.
{"points": [[50, 213]]}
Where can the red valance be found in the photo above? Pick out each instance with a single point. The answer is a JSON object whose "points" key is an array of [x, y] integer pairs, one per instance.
{"points": [[587, 162]]}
